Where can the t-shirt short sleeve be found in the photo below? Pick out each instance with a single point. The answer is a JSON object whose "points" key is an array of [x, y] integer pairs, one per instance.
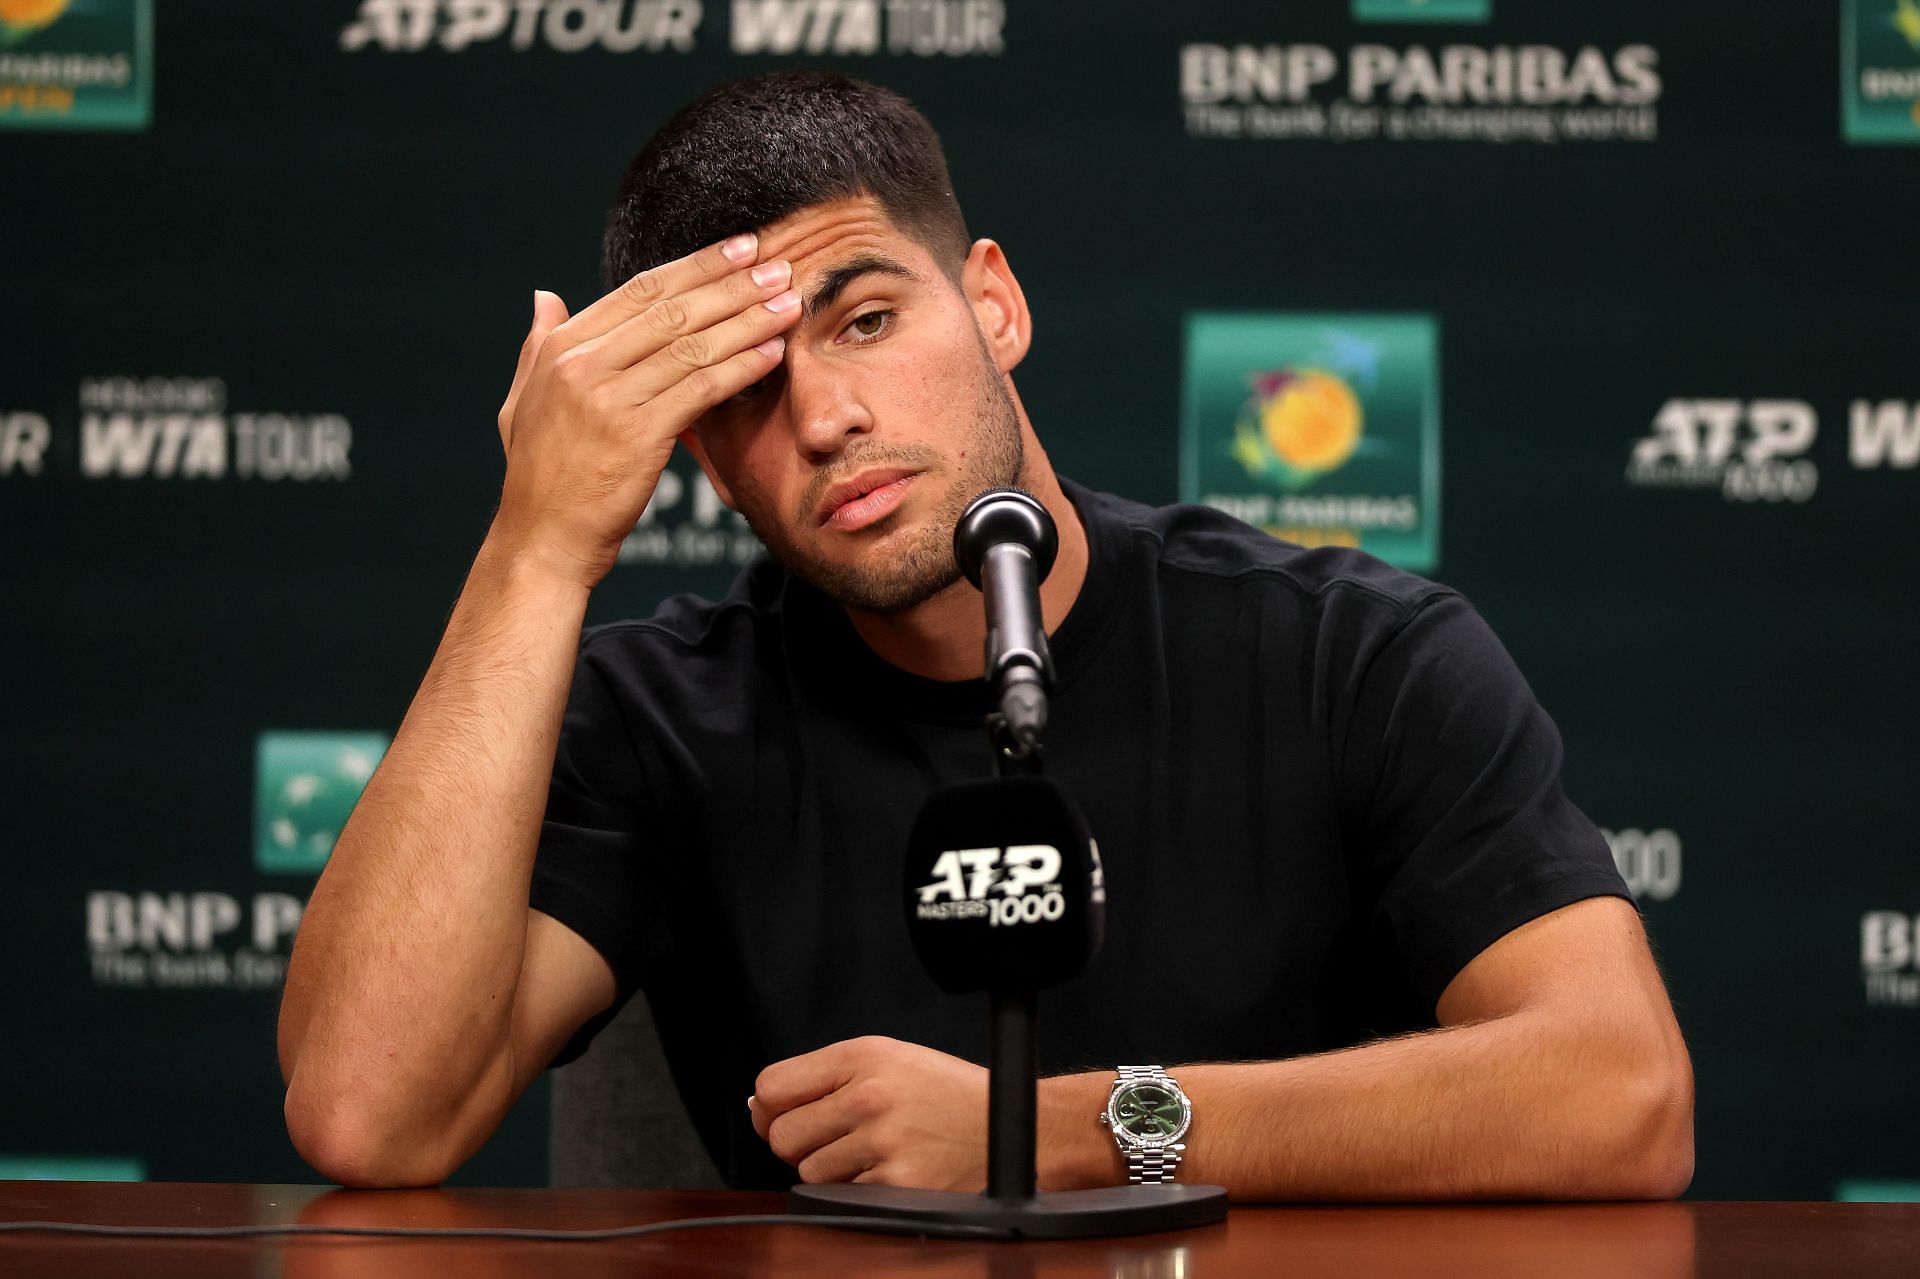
{"points": [[588, 874], [1451, 775]]}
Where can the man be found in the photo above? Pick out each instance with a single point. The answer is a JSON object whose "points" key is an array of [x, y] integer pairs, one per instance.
{"points": [[1350, 909]]}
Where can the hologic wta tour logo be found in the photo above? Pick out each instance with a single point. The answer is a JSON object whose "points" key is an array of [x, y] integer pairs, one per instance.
{"points": [[1880, 70], [170, 428], [1319, 429], [923, 28], [305, 787], [87, 64]]}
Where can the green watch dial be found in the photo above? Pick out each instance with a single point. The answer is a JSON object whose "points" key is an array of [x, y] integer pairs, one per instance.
{"points": [[1147, 1110]]}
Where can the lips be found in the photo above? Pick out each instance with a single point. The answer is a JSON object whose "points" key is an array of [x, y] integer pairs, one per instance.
{"points": [[865, 498]]}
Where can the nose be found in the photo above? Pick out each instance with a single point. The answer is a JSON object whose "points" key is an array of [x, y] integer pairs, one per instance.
{"points": [[825, 405]]}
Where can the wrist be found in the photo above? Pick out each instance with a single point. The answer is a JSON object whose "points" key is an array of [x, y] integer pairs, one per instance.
{"points": [[527, 565], [1076, 1151]]}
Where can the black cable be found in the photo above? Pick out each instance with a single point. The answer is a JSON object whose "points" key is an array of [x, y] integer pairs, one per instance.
{"points": [[881, 1225]]}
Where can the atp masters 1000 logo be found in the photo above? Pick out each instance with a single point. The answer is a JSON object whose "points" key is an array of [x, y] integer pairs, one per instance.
{"points": [[1880, 70], [1319, 429], [84, 65]]}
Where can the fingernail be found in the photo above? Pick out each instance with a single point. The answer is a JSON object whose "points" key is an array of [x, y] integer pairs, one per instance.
{"points": [[772, 348], [536, 303], [739, 248], [771, 274], [780, 304]]}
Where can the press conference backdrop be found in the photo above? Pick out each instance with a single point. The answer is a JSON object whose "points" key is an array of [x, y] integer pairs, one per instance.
{"points": [[1603, 311]]}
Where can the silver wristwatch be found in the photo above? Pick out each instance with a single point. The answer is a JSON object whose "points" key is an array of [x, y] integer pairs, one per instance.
{"points": [[1148, 1116]]}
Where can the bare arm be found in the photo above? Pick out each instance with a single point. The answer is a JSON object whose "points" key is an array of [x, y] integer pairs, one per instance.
{"points": [[1558, 1073], [423, 995], [401, 996]]}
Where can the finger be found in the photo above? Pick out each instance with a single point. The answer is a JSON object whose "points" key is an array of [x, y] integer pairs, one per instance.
{"points": [[705, 388], [684, 356], [668, 280], [683, 314], [549, 312], [843, 1160], [804, 1129], [799, 1080]]}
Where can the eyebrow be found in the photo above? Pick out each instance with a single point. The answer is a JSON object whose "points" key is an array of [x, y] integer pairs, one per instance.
{"points": [[835, 282]]}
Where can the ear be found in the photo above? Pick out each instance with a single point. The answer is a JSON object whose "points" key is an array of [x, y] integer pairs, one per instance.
{"points": [[999, 307], [690, 440]]}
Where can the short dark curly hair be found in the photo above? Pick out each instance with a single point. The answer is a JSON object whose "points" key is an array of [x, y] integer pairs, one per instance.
{"points": [[747, 153]]}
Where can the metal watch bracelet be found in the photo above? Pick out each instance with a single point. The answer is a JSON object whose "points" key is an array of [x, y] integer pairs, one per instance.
{"points": [[1157, 1165]]}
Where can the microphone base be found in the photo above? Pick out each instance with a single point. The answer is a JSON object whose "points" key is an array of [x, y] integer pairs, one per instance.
{"points": [[1064, 1214]]}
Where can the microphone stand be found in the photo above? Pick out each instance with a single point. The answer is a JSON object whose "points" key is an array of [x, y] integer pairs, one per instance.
{"points": [[1011, 1201], [1013, 1059]]}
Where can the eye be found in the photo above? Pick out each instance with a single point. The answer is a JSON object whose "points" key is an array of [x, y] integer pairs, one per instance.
{"points": [[869, 326], [748, 394]]}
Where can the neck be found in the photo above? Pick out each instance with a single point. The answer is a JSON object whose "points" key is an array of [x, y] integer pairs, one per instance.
{"points": [[945, 637]]}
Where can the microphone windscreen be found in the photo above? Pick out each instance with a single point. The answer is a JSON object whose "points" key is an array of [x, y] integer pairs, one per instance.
{"points": [[1003, 888], [1002, 515]]}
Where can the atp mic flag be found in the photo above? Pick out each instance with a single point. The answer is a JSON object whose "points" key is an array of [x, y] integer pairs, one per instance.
{"points": [[1003, 887]]}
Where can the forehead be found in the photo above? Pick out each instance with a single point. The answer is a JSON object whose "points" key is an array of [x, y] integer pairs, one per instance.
{"points": [[820, 236]]}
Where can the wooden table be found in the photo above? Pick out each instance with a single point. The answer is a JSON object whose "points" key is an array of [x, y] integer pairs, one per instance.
{"points": [[1617, 1241]]}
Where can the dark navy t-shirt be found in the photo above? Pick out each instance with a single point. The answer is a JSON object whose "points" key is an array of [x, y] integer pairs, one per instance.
{"points": [[1319, 785]]}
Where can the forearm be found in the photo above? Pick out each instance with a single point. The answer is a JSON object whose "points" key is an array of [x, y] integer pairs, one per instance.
{"points": [[400, 989], [1500, 1109]]}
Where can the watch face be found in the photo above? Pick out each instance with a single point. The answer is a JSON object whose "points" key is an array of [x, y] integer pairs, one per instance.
{"points": [[1150, 1112]]}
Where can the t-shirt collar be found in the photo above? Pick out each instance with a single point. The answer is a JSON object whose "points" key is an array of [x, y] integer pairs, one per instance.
{"points": [[820, 634]]}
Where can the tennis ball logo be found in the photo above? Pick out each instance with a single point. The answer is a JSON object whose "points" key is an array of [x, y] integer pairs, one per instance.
{"points": [[1299, 424], [21, 18], [1311, 420]]}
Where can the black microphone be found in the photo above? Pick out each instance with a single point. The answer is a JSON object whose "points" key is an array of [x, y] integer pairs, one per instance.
{"points": [[1006, 543], [1004, 889]]}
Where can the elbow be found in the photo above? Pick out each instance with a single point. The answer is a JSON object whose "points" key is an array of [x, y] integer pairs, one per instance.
{"points": [[1646, 1147], [1665, 1167], [341, 1141], [382, 1126]]}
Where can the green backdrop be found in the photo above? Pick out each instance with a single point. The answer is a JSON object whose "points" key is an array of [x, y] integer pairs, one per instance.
{"points": [[1603, 312]]}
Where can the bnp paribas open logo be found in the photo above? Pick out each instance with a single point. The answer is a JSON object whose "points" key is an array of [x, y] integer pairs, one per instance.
{"points": [[1319, 429], [305, 787], [76, 64], [1880, 70], [1422, 10]]}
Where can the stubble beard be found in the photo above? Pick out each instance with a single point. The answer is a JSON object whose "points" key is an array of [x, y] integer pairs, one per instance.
{"points": [[919, 566]]}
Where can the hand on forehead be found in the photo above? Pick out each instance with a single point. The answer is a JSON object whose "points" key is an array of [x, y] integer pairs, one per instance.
{"points": [[821, 236]]}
